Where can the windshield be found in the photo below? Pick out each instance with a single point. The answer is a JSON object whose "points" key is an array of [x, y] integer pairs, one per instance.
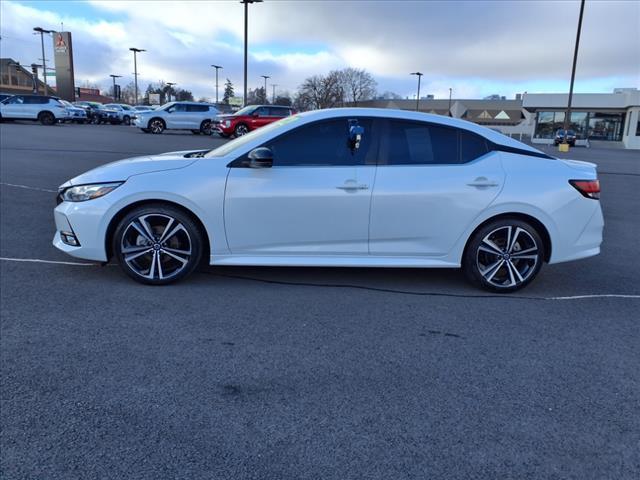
{"points": [[239, 142], [246, 110], [166, 105], [65, 103]]}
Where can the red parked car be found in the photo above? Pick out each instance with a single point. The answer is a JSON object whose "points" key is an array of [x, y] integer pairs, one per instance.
{"points": [[249, 118]]}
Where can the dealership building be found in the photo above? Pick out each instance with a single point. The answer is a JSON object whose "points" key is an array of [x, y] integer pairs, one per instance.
{"points": [[611, 119]]}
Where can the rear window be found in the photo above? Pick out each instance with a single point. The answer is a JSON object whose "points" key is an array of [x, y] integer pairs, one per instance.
{"points": [[471, 146], [279, 112], [197, 108]]}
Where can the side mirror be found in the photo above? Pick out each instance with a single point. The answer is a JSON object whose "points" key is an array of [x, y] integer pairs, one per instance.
{"points": [[355, 135], [261, 157]]}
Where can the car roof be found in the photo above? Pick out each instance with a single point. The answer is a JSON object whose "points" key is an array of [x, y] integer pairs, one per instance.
{"points": [[489, 134]]}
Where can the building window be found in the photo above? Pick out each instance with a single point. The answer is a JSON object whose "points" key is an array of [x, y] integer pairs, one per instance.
{"points": [[544, 125], [638, 129], [606, 126]]}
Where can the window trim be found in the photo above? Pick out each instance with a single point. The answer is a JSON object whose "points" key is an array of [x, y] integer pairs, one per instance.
{"points": [[371, 160]]}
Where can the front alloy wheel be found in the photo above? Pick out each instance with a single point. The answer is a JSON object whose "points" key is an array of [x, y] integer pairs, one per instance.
{"points": [[241, 130], [504, 256], [157, 245], [156, 126]]}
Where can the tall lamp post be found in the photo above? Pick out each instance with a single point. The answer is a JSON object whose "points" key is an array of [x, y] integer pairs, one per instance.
{"points": [[265, 87], [114, 86], [419, 74], [42, 31], [135, 70], [273, 95], [170, 85], [567, 117], [246, 35], [217, 67], [450, 114]]}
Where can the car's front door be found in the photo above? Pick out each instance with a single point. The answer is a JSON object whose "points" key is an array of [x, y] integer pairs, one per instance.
{"points": [[14, 107], [177, 116], [432, 182], [314, 200]]}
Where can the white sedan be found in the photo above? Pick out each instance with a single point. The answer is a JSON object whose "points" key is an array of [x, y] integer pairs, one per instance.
{"points": [[342, 187]]}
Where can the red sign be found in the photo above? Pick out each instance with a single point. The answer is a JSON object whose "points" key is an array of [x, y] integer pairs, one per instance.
{"points": [[88, 91]]}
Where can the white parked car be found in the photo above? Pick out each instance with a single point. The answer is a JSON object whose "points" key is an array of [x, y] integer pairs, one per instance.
{"points": [[194, 116], [42, 108], [125, 112], [341, 187], [76, 114]]}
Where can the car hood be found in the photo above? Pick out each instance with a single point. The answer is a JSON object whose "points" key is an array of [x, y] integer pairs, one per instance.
{"points": [[123, 169]]}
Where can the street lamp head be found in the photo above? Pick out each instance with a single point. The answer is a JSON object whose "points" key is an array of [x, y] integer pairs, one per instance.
{"points": [[265, 76], [216, 66], [251, 1], [115, 76], [137, 49], [418, 73], [42, 30]]}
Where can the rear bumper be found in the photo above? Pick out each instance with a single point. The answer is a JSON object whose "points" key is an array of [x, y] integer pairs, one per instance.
{"points": [[586, 244]]}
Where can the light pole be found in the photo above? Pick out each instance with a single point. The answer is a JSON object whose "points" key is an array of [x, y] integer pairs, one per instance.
{"points": [[135, 70], [114, 85], [265, 87], [273, 96], [450, 90], [567, 117], [170, 85], [419, 74], [42, 31], [217, 67], [246, 36]]}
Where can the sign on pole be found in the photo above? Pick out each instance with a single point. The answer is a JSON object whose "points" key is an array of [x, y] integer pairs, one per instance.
{"points": [[63, 56]]}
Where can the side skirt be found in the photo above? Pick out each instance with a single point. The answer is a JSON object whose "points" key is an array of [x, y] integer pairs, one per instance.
{"points": [[329, 261]]}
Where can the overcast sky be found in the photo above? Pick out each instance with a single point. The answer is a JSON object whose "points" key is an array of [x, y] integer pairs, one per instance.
{"points": [[476, 47]]}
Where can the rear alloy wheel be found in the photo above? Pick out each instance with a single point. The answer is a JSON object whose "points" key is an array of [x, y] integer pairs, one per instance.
{"points": [[157, 244], [504, 256], [205, 127], [240, 130], [156, 126], [47, 118]]}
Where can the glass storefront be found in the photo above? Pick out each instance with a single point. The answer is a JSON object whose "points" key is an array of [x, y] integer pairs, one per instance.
{"points": [[594, 125]]}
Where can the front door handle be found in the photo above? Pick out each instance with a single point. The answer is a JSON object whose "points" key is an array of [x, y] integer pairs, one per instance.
{"points": [[353, 186], [483, 182]]}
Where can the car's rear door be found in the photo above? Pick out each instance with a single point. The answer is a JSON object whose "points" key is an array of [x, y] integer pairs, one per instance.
{"points": [[315, 199], [432, 182]]}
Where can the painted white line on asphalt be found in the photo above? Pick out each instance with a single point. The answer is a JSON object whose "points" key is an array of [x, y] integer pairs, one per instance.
{"points": [[54, 262], [27, 187], [572, 297]]}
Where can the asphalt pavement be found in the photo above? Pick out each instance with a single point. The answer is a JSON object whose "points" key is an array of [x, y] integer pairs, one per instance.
{"points": [[299, 373]]}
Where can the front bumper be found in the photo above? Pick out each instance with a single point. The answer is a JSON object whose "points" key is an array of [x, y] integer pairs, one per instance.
{"points": [[84, 222]]}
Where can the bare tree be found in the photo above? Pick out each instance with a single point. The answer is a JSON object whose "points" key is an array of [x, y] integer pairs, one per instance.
{"points": [[357, 85], [320, 91]]}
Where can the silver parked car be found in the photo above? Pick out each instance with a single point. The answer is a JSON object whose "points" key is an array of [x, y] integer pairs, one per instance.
{"points": [[194, 116]]}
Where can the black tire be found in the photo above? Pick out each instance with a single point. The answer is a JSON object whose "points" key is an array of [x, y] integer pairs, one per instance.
{"points": [[205, 127], [141, 261], [145, 130], [224, 135], [492, 260], [47, 118], [240, 130], [126, 120], [157, 126], [196, 132]]}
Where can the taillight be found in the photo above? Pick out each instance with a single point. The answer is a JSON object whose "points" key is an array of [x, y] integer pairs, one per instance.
{"points": [[588, 188]]}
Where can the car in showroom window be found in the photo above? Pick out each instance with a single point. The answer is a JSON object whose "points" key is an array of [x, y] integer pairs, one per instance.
{"points": [[340, 187]]}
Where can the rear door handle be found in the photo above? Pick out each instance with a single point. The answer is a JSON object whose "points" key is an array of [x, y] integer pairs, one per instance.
{"points": [[483, 182], [353, 187]]}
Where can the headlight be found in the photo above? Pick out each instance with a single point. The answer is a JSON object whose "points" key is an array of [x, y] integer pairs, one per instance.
{"points": [[82, 193], [227, 123]]}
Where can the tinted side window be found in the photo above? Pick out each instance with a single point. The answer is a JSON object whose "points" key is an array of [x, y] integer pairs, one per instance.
{"points": [[35, 100], [471, 146], [178, 107], [197, 108], [262, 112], [322, 143], [278, 112], [415, 143], [16, 100]]}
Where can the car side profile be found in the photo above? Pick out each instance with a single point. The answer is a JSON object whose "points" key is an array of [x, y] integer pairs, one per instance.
{"points": [[340, 187], [76, 114], [124, 112], [194, 116], [41, 108], [249, 118]]}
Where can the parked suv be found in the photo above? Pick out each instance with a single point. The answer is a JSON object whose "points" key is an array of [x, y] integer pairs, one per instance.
{"points": [[44, 109], [560, 137], [197, 117], [76, 114], [125, 112], [250, 118]]}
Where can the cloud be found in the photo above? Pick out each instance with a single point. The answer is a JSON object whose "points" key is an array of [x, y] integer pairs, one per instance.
{"points": [[476, 47]]}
